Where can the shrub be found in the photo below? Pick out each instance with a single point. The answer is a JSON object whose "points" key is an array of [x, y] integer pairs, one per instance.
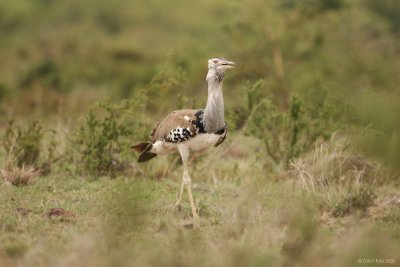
{"points": [[105, 134], [313, 5], [252, 99], [286, 133], [167, 84], [47, 74], [359, 199], [388, 9]]}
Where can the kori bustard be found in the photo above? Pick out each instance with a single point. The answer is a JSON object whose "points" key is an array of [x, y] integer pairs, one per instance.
{"points": [[189, 130]]}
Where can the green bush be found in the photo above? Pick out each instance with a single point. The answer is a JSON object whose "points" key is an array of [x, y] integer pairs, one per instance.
{"points": [[167, 85], [356, 200], [287, 133], [388, 9], [47, 74], [104, 136]]}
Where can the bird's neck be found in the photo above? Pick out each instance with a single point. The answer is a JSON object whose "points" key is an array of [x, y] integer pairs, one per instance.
{"points": [[214, 112]]}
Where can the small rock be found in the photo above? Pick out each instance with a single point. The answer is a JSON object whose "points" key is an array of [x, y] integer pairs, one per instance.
{"points": [[188, 225], [62, 214]]}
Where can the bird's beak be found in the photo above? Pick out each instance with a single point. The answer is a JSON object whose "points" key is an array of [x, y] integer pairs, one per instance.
{"points": [[228, 64]]}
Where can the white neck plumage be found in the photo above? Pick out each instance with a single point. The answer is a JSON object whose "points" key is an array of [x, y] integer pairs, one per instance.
{"points": [[214, 112]]}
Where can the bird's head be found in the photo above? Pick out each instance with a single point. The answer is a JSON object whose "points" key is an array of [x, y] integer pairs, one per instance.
{"points": [[220, 64], [217, 67]]}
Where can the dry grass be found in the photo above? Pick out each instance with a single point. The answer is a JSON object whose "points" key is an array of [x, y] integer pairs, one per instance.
{"points": [[333, 168], [11, 173], [340, 179], [19, 176]]}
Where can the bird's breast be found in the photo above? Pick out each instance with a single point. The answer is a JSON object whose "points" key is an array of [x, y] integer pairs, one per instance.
{"points": [[202, 141], [199, 142]]}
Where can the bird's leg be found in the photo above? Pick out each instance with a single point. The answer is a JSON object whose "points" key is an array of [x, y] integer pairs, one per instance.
{"points": [[178, 201], [187, 181]]}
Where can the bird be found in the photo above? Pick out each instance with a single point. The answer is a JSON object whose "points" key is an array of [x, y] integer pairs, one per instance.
{"points": [[191, 130]]}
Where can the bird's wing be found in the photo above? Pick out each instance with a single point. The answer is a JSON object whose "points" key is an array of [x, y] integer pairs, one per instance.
{"points": [[178, 126]]}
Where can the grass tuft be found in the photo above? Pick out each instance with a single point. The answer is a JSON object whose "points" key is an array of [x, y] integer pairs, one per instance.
{"points": [[12, 173], [334, 174]]}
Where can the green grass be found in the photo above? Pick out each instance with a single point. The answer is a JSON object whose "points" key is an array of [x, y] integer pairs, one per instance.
{"points": [[248, 217]]}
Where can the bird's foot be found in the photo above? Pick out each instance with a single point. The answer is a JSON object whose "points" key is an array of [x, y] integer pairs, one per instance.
{"points": [[177, 206], [196, 221]]}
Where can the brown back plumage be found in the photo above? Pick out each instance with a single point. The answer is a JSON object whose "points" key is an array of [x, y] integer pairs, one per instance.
{"points": [[179, 118]]}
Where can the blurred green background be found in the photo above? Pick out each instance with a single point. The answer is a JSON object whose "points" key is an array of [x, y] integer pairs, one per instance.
{"points": [[58, 57], [310, 173]]}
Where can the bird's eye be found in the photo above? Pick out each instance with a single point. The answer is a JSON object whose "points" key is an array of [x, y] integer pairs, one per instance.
{"points": [[215, 61]]}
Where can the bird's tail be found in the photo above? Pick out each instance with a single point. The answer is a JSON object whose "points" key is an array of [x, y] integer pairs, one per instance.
{"points": [[144, 150]]}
